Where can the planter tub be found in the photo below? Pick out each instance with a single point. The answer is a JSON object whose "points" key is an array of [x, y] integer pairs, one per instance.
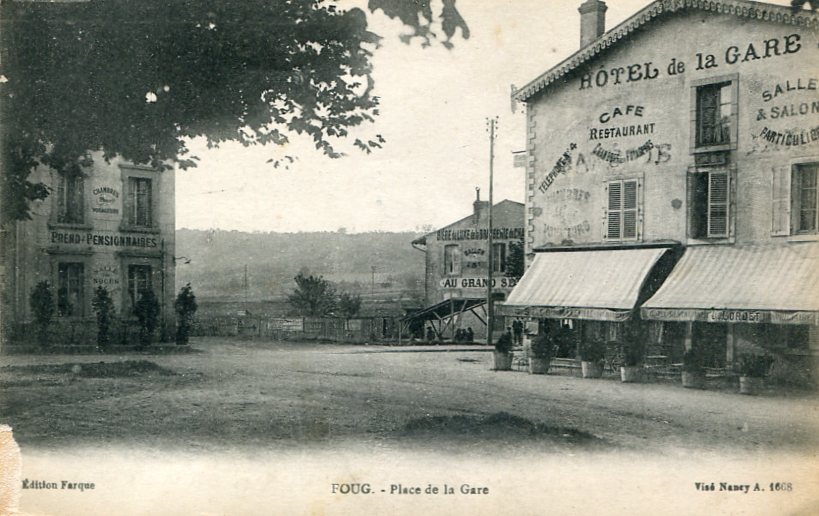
{"points": [[538, 365], [693, 380], [750, 385], [503, 361], [591, 369], [631, 374]]}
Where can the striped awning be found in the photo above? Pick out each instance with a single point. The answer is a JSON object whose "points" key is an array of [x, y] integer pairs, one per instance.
{"points": [[594, 284], [749, 284]]}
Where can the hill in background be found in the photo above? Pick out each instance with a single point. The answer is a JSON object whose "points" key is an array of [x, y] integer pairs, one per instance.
{"points": [[213, 262]]}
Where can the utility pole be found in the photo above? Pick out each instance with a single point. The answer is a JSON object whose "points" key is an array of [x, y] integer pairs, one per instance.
{"points": [[245, 285], [372, 284], [490, 307]]}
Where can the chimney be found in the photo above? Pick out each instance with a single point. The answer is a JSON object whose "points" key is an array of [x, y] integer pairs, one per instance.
{"points": [[479, 205], [592, 21]]}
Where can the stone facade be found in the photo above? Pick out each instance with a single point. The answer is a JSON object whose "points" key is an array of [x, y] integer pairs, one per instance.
{"points": [[695, 123], [112, 227], [457, 255]]}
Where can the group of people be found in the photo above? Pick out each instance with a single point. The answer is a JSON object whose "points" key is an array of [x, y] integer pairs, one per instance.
{"points": [[466, 335]]}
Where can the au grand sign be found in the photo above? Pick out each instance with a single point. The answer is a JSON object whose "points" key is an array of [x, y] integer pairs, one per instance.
{"points": [[482, 283]]}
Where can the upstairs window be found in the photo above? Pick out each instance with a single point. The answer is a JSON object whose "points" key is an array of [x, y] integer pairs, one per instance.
{"points": [[710, 204], [70, 289], [139, 202], [804, 198], [70, 199], [452, 259], [713, 115], [499, 257], [622, 213]]}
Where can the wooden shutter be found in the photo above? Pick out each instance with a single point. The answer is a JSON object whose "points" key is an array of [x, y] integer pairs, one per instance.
{"points": [[615, 210], [718, 203], [780, 201], [128, 201], [630, 207]]}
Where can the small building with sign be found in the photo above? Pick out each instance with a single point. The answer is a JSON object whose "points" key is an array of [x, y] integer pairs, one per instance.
{"points": [[671, 188], [457, 267], [109, 224]]}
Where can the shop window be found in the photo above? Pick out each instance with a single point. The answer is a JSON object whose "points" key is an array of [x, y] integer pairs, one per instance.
{"points": [[70, 199], [139, 202], [499, 257], [452, 259], [709, 204], [70, 289], [804, 198], [139, 281], [622, 214]]}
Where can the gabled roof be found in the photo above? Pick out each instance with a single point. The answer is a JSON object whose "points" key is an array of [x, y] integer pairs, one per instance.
{"points": [[422, 240], [656, 9]]}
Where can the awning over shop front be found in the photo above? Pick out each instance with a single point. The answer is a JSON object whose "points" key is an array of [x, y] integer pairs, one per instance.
{"points": [[590, 284], [750, 284]]}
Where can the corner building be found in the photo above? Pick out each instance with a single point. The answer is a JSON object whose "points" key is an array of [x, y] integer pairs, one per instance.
{"points": [[112, 225], [672, 183], [457, 268]]}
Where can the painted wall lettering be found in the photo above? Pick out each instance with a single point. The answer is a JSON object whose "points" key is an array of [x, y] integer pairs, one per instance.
{"points": [[614, 113], [789, 86], [731, 55], [479, 234], [790, 137], [571, 194], [561, 167], [103, 240], [603, 133], [568, 232], [619, 75], [615, 157], [477, 282]]}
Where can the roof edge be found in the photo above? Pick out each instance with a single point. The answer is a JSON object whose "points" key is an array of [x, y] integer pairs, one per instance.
{"points": [[741, 8]]}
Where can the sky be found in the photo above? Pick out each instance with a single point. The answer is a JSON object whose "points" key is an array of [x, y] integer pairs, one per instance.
{"points": [[434, 107]]}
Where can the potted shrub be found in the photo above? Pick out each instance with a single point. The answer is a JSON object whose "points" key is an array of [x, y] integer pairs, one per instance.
{"points": [[631, 370], [592, 353], [693, 373], [752, 372], [541, 354], [503, 352]]}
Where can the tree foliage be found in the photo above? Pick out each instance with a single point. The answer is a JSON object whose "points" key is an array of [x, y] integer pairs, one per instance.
{"points": [[516, 260], [314, 296], [140, 79], [185, 306], [103, 307], [349, 304], [43, 308], [147, 313]]}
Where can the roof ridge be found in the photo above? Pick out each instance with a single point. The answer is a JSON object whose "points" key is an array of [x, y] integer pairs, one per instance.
{"points": [[742, 8]]}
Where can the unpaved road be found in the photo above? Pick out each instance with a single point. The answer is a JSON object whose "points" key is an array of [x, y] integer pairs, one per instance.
{"points": [[235, 394]]}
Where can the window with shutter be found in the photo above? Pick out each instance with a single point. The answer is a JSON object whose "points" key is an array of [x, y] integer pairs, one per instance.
{"points": [[718, 204], [452, 259], [710, 198], [622, 214], [70, 200], [805, 198], [70, 289], [139, 202], [781, 201]]}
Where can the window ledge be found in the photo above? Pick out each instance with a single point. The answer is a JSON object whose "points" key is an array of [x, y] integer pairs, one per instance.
{"points": [[805, 237], [714, 148], [68, 225], [138, 229], [710, 241]]}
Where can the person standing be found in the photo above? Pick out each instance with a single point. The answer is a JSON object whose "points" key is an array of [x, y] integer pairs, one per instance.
{"points": [[517, 331]]}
